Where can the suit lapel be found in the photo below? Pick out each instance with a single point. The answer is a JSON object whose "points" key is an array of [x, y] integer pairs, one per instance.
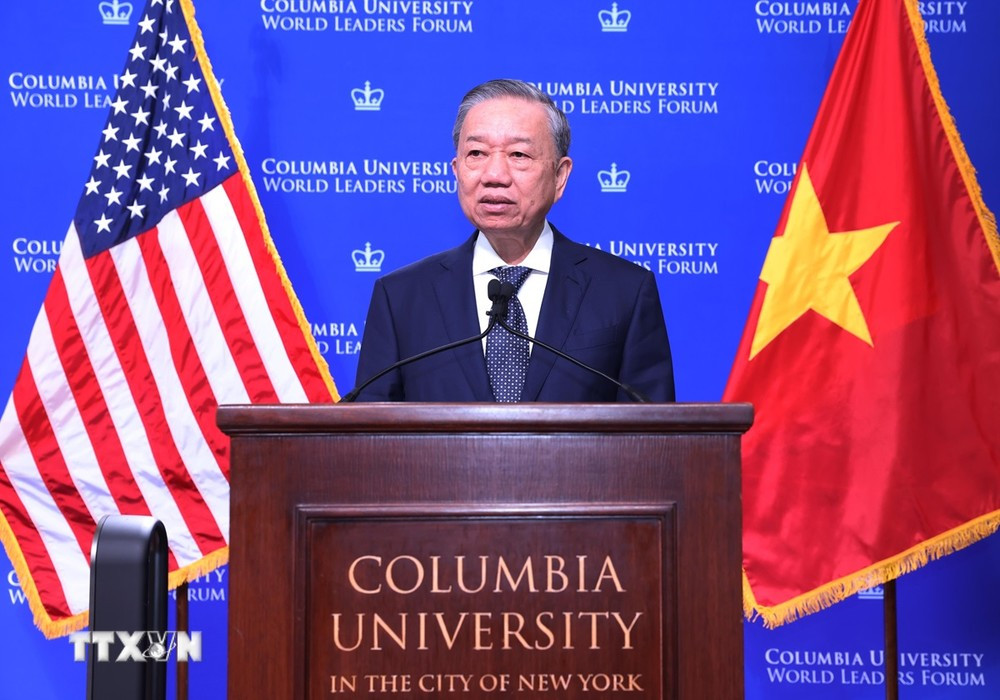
{"points": [[456, 298], [560, 305]]}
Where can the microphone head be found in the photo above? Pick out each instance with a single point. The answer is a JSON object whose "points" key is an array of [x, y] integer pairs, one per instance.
{"points": [[493, 290], [500, 294]]}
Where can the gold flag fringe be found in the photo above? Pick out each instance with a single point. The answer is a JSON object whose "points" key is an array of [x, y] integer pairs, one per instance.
{"points": [[49, 627], [987, 220], [60, 628], [196, 570], [227, 124], [875, 575]]}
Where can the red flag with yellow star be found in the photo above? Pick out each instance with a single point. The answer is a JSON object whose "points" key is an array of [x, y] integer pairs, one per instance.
{"points": [[872, 349]]}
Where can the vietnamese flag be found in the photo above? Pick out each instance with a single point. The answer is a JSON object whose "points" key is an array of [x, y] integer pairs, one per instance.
{"points": [[872, 348]]}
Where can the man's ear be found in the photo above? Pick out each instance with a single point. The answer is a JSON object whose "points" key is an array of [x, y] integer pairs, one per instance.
{"points": [[563, 169]]}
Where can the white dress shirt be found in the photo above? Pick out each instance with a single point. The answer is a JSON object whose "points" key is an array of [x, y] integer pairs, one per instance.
{"points": [[484, 259]]}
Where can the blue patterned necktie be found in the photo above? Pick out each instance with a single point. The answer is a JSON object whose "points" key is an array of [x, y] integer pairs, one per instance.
{"points": [[506, 354]]}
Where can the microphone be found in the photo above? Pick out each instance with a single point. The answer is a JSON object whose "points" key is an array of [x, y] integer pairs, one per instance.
{"points": [[505, 292], [500, 296]]}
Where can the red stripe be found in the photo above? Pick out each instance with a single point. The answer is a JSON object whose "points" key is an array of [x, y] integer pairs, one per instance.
{"points": [[36, 556], [220, 288], [135, 365], [90, 400], [49, 459], [182, 349], [292, 335]]}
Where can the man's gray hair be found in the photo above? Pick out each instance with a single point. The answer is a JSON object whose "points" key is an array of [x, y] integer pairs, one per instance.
{"points": [[496, 89]]}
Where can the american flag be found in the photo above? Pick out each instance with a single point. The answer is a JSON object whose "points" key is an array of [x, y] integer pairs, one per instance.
{"points": [[168, 300]]}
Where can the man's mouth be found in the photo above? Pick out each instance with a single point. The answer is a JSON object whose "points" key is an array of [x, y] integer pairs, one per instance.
{"points": [[495, 204]]}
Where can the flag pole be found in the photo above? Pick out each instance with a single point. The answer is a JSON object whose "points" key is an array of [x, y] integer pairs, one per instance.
{"points": [[891, 640], [182, 626]]}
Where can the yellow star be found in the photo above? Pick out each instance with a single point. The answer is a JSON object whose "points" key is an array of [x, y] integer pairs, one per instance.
{"points": [[808, 266]]}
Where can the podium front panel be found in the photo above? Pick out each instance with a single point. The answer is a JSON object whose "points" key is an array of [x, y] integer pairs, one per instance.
{"points": [[507, 600], [466, 551]]}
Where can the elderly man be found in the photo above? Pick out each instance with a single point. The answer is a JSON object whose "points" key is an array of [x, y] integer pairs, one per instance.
{"points": [[512, 165]]}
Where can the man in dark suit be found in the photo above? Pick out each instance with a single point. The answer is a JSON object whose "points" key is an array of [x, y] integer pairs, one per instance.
{"points": [[512, 165]]}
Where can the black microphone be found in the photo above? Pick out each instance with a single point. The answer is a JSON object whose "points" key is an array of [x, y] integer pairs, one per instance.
{"points": [[506, 291], [498, 294]]}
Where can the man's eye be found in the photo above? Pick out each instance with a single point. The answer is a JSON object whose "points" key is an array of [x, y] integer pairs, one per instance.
{"points": [[474, 154], [518, 154]]}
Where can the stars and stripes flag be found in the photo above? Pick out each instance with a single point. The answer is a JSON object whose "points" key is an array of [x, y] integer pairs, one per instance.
{"points": [[872, 349], [168, 300]]}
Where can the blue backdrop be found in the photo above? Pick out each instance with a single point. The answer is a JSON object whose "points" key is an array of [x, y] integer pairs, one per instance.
{"points": [[695, 112]]}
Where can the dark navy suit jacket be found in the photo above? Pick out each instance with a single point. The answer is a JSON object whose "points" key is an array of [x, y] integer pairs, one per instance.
{"points": [[600, 309]]}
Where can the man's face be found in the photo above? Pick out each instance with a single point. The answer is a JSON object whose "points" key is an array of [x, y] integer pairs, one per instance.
{"points": [[508, 173]]}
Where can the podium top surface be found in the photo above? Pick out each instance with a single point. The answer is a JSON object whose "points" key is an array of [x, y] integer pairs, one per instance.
{"points": [[486, 417]]}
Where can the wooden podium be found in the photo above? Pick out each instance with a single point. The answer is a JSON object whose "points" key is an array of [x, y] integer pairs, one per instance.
{"points": [[483, 550]]}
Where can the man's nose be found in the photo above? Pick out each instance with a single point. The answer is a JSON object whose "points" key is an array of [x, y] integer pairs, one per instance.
{"points": [[497, 171]]}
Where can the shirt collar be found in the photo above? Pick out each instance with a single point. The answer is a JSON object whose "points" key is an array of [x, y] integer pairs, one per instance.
{"points": [[484, 258]]}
